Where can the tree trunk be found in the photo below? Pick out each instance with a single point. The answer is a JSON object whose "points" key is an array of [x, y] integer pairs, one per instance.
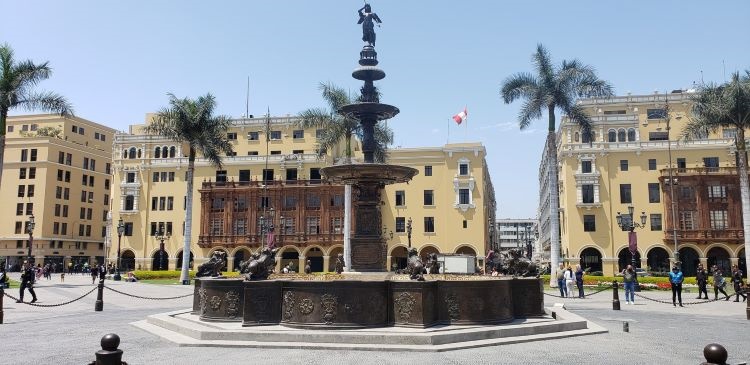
{"points": [[554, 201], [184, 275], [3, 120], [744, 191]]}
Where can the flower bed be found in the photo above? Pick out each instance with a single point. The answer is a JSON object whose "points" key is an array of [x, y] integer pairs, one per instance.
{"points": [[171, 274]]}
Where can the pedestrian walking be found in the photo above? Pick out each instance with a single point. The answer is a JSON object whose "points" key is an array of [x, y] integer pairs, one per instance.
{"points": [[569, 281], [27, 281], [737, 283], [561, 281], [676, 278], [701, 277], [4, 281], [628, 282], [719, 283], [579, 280], [94, 273]]}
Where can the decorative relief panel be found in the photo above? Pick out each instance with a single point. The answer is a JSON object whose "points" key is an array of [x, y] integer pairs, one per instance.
{"points": [[404, 306], [233, 301], [330, 304]]}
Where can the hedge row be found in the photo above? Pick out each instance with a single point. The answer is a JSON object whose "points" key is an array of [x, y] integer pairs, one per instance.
{"points": [[172, 274]]}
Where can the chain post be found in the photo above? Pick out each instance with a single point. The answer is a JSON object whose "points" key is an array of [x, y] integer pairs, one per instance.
{"points": [[2, 295], [109, 354], [99, 305], [615, 296]]}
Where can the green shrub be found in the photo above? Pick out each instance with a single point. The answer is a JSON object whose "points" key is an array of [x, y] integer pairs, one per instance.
{"points": [[172, 274], [596, 273]]}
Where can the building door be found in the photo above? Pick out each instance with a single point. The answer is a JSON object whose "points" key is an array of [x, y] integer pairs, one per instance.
{"points": [[690, 261]]}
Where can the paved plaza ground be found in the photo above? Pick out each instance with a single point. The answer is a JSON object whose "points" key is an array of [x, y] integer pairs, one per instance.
{"points": [[70, 334]]}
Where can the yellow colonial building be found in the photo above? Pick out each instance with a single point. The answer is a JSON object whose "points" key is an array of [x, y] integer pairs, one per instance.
{"points": [[626, 163], [57, 169], [451, 201]]}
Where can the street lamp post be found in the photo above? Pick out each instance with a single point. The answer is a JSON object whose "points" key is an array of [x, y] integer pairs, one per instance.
{"points": [[626, 223], [30, 231], [528, 241], [161, 236], [120, 231], [408, 232]]}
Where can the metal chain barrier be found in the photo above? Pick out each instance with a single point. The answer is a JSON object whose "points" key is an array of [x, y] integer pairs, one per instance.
{"points": [[52, 305], [684, 303], [149, 298], [584, 296]]}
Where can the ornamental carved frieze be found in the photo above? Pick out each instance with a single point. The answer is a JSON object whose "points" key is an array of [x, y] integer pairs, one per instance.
{"points": [[404, 305], [288, 305], [233, 303], [306, 306], [202, 302], [215, 303], [451, 303], [329, 302]]}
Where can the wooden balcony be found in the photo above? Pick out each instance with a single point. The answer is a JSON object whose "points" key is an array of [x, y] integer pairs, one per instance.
{"points": [[706, 236], [255, 241]]}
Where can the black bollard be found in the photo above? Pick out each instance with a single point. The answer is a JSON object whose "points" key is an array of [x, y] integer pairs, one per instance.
{"points": [[2, 295], [109, 354], [99, 305], [615, 296], [715, 354]]}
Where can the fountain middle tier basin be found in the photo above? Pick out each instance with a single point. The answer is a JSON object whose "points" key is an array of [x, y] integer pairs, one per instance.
{"points": [[374, 172], [350, 304]]}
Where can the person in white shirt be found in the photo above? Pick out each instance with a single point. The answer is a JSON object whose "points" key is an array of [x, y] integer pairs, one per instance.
{"points": [[570, 280]]}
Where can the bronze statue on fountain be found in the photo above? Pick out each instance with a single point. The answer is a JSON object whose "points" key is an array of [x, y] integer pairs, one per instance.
{"points": [[213, 266], [415, 267], [260, 265], [512, 262]]}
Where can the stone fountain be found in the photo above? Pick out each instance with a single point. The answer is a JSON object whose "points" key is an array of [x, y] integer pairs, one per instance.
{"points": [[365, 301]]}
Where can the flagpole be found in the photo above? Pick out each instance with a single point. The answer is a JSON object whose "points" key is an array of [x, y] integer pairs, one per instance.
{"points": [[448, 141]]}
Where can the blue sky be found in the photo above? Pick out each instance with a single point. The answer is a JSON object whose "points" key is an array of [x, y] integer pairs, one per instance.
{"points": [[116, 60]]}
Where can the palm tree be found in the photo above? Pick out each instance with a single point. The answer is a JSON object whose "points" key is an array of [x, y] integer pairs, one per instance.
{"points": [[17, 81], [193, 122], [554, 88], [337, 127], [722, 106]]}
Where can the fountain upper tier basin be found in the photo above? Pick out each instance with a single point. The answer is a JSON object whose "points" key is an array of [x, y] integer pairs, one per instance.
{"points": [[369, 111], [372, 172]]}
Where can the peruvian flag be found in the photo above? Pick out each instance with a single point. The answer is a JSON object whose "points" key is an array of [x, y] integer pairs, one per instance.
{"points": [[271, 238], [460, 117], [632, 242]]}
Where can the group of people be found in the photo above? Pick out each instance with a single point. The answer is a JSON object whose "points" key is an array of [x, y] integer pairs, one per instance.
{"points": [[567, 279], [676, 278]]}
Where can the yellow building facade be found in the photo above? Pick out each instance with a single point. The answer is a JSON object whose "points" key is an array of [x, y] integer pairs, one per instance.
{"points": [[149, 193], [59, 170], [626, 163]]}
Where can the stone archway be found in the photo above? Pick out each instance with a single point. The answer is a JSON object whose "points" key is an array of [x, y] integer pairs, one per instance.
{"points": [[720, 257], [160, 261], [239, 256], [289, 256], [179, 261], [625, 258], [591, 260], [333, 255], [657, 259], [315, 257], [690, 259], [425, 251], [466, 250], [127, 261], [398, 258]]}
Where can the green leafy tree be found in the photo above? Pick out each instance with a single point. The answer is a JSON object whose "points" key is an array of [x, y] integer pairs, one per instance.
{"points": [[553, 88], [192, 122], [17, 82], [726, 106], [337, 127]]}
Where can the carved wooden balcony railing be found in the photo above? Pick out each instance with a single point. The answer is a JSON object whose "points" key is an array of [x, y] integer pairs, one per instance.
{"points": [[257, 240], [706, 235]]}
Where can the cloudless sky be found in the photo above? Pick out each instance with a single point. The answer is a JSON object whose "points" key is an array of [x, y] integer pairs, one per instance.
{"points": [[116, 60]]}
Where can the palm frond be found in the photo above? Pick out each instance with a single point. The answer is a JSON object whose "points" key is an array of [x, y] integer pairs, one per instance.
{"points": [[577, 115], [522, 84], [542, 61], [335, 96], [531, 110], [46, 101]]}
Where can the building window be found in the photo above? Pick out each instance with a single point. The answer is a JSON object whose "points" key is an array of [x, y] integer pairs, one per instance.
{"points": [[429, 197], [288, 226], [576, 137], [337, 200], [659, 113], [337, 224], [687, 222], [653, 193], [429, 224], [718, 219], [129, 202], [315, 173], [631, 135], [24, 155], [291, 174], [625, 196], [298, 134], [130, 178], [244, 175], [400, 224], [400, 198], [319, 133], [711, 164], [267, 174], [221, 176], [729, 133], [21, 191], [463, 196], [589, 223], [312, 201], [656, 222], [298, 152], [22, 173], [463, 169], [239, 227], [67, 176], [313, 225], [652, 164], [717, 193], [428, 171], [275, 135], [19, 208], [33, 154], [621, 135], [32, 172], [681, 164], [10, 129], [587, 194], [290, 202], [623, 165], [108, 168], [612, 135], [586, 166], [217, 226], [252, 136], [232, 136]]}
